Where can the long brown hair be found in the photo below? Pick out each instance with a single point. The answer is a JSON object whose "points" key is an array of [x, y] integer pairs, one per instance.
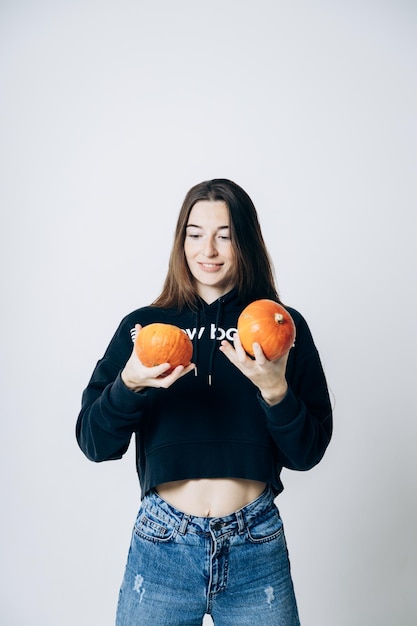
{"points": [[254, 277]]}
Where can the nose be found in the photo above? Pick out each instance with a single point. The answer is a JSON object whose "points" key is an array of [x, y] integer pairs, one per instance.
{"points": [[210, 249]]}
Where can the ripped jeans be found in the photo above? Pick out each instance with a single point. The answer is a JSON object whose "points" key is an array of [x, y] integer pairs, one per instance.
{"points": [[181, 567]]}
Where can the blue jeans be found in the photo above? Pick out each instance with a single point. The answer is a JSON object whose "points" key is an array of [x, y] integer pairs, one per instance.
{"points": [[181, 567]]}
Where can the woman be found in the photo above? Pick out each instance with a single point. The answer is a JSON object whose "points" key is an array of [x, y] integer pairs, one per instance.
{"points": [[211, 438]]}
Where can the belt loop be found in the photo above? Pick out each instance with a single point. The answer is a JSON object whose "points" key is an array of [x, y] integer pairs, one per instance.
{"points": [[184, 523], [240, 521]]}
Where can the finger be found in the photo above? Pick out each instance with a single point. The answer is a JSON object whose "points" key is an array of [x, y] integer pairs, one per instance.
{"points": [[240, 351], [228, 350], [180, 371], [259, 354], [191, 367], [158, 370], [169, 379], [283, 359]]}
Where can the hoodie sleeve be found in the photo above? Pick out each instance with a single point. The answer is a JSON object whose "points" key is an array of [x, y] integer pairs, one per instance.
{"points": [[301, 424], [110, 411]]}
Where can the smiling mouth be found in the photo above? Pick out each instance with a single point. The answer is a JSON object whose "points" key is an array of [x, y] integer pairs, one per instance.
{"points": [[210, 266]]}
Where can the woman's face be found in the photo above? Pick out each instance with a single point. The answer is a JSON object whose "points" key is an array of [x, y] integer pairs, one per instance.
{"points": [[208, 249]]}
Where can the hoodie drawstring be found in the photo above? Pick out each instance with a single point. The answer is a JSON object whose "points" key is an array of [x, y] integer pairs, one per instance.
{"points": [[214, 346], [214, 343], [195, 341]]}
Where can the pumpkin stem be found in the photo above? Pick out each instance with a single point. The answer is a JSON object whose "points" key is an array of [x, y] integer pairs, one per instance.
{"points": [[279, 318]]}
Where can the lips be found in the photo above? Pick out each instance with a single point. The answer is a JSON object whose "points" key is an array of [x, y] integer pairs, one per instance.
{"points": [[210, 267]]}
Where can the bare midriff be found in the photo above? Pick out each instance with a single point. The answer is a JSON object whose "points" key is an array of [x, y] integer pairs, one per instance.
{"points": [[210, 497]]}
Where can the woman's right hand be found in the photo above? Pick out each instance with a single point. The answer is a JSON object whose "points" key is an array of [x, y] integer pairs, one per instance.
{"points": [[137, 376]]}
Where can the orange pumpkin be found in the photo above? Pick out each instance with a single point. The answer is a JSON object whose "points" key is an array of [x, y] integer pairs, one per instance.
{"points": [[163, 343], [268, 323]]}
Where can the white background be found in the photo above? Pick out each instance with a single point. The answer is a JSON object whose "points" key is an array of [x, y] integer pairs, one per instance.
{"points": [[110, 112]]}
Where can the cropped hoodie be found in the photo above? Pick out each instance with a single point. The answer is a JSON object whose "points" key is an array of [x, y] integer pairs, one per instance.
{"points": [[211, 423]]}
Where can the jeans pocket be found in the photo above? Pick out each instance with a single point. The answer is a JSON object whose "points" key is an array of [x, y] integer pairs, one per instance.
{"points": [[267, 527], [150, 527]]}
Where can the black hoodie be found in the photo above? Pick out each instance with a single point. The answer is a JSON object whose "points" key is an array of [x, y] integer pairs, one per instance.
{"points": [[212, 423]]}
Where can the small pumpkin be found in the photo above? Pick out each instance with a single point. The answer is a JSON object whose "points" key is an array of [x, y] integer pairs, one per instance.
{"points": [[268, 323], [163, 343]]}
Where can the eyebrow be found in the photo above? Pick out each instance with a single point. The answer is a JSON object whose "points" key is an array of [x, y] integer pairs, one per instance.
{"points": [[197, 226]]}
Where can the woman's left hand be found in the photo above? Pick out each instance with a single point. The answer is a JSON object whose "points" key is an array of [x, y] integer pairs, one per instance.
{"points": [[268, 376]]}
